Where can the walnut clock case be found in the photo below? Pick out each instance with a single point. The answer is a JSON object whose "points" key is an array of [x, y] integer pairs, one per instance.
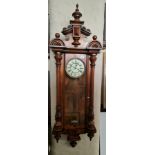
{"points": [[75, 68]]}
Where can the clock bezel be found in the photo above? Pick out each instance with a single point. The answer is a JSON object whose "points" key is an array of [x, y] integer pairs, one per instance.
{"points": [[76, 76]]}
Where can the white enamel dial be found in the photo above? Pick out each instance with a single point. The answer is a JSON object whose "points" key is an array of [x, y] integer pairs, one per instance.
{"points": [[75, 68]]}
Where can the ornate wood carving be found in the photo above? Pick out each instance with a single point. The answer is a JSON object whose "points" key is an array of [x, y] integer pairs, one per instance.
{"points": [[91, 128], [57, 41], [94, 43], [75, 96], [76, 27]]}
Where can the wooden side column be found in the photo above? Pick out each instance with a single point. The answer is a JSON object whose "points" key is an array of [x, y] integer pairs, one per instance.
{"points": [[57, 130], [91, 128], [87, 89]]}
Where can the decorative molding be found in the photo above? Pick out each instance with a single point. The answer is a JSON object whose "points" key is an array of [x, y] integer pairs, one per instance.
{"points": [[76, 27], [57, 41], [94, 43], [73, 136], [57, 130]]}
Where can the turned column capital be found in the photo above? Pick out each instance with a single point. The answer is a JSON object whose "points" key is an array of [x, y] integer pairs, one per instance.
{"points": [[58, 58], [93, 59]]}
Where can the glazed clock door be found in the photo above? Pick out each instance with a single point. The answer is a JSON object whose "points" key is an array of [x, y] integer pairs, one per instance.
{"points": [[74, 91]]}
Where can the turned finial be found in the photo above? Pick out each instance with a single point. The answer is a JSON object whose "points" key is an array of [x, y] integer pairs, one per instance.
{"points": [[94, 37], [77, 6], [57, 35], [77, 14]]}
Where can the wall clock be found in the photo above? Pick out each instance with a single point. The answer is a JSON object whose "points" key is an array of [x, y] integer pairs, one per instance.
{"points": [[75, 68]]}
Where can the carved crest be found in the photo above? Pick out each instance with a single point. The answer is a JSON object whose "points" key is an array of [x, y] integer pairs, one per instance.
{"points": [[94, 43], [57, 41], [76, 27]]}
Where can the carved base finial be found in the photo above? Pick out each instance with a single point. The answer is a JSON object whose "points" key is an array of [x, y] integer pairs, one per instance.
{"points": [[90, 135], [91, 130], [57, 135], [73, 137], [73, 143], [57, 131], [76, 41]]}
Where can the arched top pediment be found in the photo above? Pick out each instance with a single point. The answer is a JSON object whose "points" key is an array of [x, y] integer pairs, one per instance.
{"points": [[75, 35], [57, 41]]}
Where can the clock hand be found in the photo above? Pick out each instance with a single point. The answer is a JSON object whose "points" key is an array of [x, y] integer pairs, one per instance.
{"points": [[73, 66]]}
